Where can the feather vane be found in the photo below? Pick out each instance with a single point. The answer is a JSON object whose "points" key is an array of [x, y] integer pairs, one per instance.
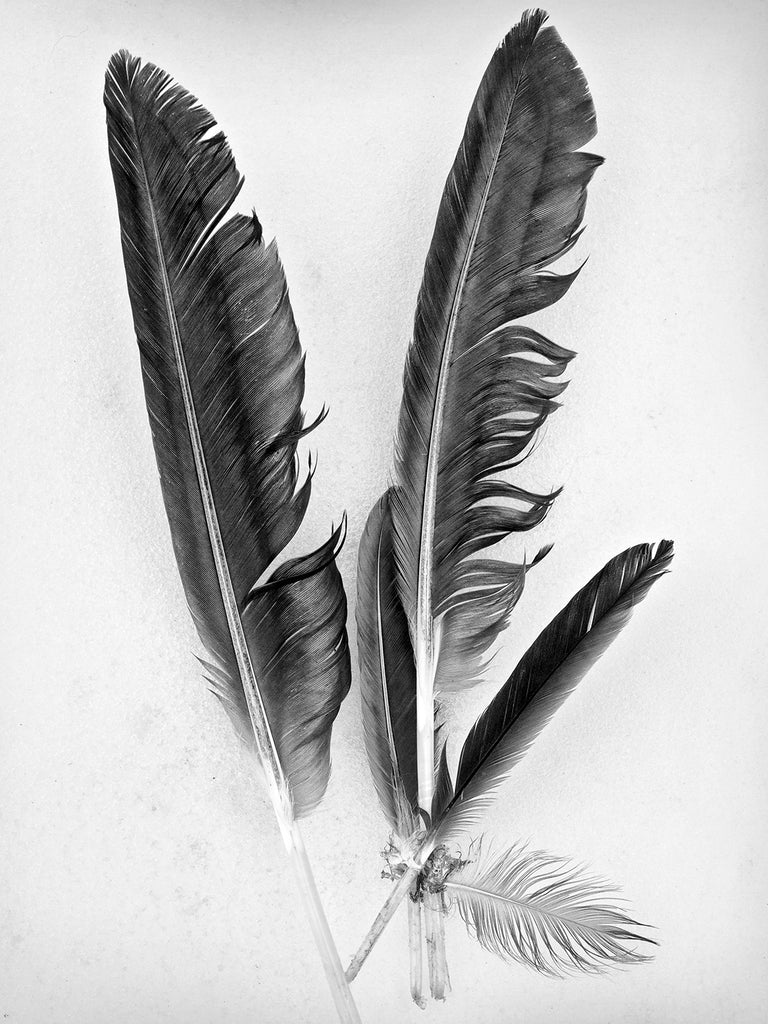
{"points": [[541, 911]]}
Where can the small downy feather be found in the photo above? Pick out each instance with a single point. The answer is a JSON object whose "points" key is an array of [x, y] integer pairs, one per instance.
{"points": [[543, 912], [477, 385], [547, 673]]}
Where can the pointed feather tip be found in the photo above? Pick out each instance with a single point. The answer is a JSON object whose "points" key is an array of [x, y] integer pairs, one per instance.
{"points": [[532, 20], [122, 66], [122, 57], [663, 555], [538, 557], [258, 231]]}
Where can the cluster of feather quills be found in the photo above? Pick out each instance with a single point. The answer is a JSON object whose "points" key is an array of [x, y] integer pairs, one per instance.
{"points": [[478, 385], [223, 376]]}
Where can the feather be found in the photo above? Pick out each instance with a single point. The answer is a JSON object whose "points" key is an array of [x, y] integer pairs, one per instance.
{"points": [[223, 378], [541, 911], [387, 674], [547, 673], [388, 696], [388, 680], [477, 386]]}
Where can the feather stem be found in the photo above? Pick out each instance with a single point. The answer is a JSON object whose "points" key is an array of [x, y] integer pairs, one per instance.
{"points": [[434, 924], [334, 972], [277, 785], [425, 720], [416, 953], [427, 643], [384, 916]]}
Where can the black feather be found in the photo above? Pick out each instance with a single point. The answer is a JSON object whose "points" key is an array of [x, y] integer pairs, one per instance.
{"points": [[541, 911], [224, 380], [387, 674], [547, 673], [388, 680], [477, 387]]}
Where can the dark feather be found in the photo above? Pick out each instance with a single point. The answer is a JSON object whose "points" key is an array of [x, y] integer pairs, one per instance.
{"points": [[541, 911], [547, 673], [477, 387], [224, 381], [387, 674]]}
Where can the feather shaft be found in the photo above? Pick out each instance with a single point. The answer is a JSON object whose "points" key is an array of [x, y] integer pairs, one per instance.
{"points": [[416, 953], [477, 387], [339, 985], [426, 626]]}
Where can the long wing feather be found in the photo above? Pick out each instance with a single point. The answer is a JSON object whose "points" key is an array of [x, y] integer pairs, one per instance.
{"points": [[476, 386], [541, 911], [224, 380], [547, 673]]}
